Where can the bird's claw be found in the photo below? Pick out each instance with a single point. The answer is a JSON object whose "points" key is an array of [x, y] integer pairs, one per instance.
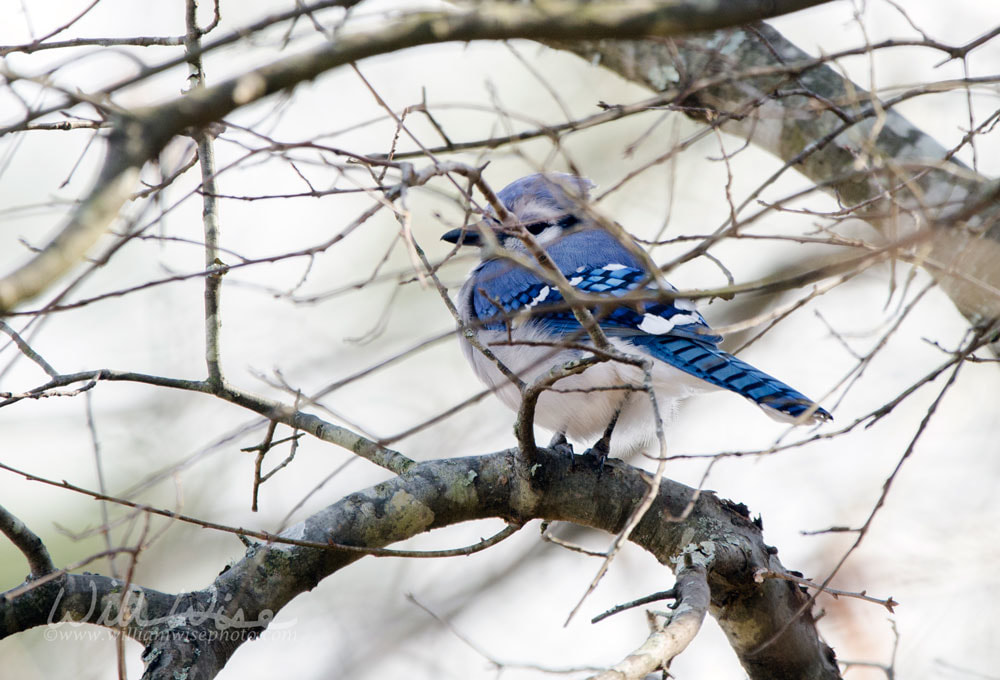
{"points": [[600, 454], [561, 445]]}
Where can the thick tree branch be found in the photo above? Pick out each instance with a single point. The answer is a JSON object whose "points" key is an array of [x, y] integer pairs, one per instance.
{"points": [[826, 127], [436, 494]]}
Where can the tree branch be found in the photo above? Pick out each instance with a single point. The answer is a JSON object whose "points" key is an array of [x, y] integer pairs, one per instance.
{"points": [[825, 127], [672, 637], [210, 207], [30, 545], [436, 494], [297, 420], [138, 136]]}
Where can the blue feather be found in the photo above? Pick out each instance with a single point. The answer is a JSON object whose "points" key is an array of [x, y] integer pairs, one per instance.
{"points": [[715, 366], [672, 331]]}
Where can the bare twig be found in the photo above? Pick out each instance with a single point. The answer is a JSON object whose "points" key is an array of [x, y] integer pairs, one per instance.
{"points": [[27, 351], [499, 664], [654, 597], [297, 420], [976, 340], [210, 209], [549, 537], [888, 603], [671, 634]]}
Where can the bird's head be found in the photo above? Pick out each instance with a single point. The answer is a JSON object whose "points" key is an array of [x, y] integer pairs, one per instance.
{"points": [[547, 205]]}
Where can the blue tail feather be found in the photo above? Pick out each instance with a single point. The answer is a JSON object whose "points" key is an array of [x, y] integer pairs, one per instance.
{"points": [[711, 364]]}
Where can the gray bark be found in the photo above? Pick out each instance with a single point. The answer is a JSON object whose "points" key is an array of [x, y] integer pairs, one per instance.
{"points": [[179, 633]]}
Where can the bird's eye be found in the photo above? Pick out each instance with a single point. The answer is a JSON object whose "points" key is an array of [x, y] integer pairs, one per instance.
{"points": [[567, 221], [536, 228]]}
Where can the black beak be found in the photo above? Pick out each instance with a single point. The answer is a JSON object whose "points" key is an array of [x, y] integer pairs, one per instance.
{"points": [[466, 236]]}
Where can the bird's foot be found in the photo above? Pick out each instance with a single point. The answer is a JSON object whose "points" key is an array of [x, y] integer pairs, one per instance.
{"points": [[561, 445], [599, 454]]}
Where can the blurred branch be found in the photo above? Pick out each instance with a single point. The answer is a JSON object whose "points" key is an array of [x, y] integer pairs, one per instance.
{"points": [[138, 136], [716, 542], [89, 221], [30, 545], [273, 410], [40, 44], [210, 206], [27, 351], [977, 338], [826, 127]]}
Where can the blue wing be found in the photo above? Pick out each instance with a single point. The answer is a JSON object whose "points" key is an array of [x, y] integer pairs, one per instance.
{"points": [[497, 307], [672, 331]]}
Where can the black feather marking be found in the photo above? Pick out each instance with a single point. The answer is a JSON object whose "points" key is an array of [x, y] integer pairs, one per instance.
{"points": [[702, 360]]}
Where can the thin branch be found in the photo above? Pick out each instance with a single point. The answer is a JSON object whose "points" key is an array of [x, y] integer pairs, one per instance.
{"points": [[27, 351], [95, 443], [30, 545], [210, 208], [261, 449], [888, 603], [974, 342], [652, 490], [654, 597], [497, 663], [672, 634], [297, 420], [548, 537], [479, 546], [139, 137], [137, 41]]}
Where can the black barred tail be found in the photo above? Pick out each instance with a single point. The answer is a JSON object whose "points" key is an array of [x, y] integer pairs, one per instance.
{"points": [[711, 364]]}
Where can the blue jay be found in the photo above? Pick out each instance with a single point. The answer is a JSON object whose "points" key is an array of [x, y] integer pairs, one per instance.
{"points": [[523, 319]]}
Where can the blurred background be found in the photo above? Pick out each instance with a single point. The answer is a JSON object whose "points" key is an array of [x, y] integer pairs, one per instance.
{"points": [[309, 322]]}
